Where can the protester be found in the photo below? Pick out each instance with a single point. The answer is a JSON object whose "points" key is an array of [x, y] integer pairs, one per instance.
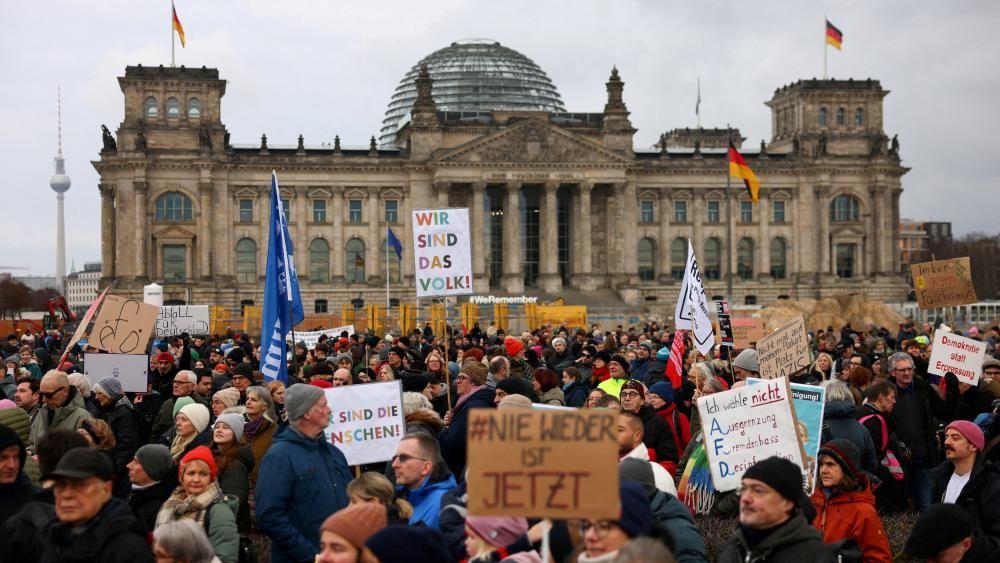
{"points": [[839, 422], [618, 376], [657, 434], [546, 384], [602, 539], [343, 534], [374, 488], [225, 399], [745, 365], [945, 533], [261, 426], [192, 429], [422, 477], [16, 488], [277, 390], [118, 412], [63, 406], [661, 398], [489, 535], [667, 511], [27, 395], [631, 446], [153, 477], [233, 463], [407, 544], [472, 393], [184, 385], [573, 387], [961, 480], [183, 540]]}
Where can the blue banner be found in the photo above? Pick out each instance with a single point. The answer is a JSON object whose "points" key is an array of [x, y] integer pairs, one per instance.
{"points": [[282, 308]]}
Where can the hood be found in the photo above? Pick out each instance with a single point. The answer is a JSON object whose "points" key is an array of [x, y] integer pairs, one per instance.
{"points": [[839, 409], [554, 393], [427, 418], [432, 483], [638, 452], [863, 496], [75, 402]]}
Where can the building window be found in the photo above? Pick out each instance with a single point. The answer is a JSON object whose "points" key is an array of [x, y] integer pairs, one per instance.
{"points": [[845, 260], [173, 207], [779, 252], [354, 211], [173, 107], [174, 263], [841, 116], [646, 211], [150, 108], [319, 211], [246, 261], [777, 212], [680, 212], [387, 253], [859, 117], [320, 306], [286, 207], [746, 212], [319, 261], [713, 259], [354, 258], [750, 300], [678, 258], [744, 259], [844, 209], [713, 212], [822, 117], [391, 211], [646, 252], [194, 108], [246, 211]]}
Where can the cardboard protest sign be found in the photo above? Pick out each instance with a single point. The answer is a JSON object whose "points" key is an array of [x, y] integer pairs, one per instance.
{"points": [[745, 425], [367, 421], [81, 329], [311, 338], [543, 463], [131, 370], [943, 283], [808, 401], [442, 253], [960, 355], [784, 351], [725, 324], [746, 331], [178, 319], [123, 326]]}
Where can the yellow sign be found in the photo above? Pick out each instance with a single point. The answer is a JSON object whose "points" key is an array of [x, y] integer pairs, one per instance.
{"points": [[570, 316]]}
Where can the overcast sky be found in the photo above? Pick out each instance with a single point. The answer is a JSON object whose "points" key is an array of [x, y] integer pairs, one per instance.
{"points": [[322, 68]]}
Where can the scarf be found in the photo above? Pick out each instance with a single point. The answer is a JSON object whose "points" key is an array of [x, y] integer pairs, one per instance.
{"points": [[466, 395], [180, 505], [601, 374], [179, 444], [695, 489], [252, 428]]}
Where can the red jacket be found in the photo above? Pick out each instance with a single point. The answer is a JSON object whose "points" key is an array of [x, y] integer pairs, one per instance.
{"points": [[682, 434], [852, 515]]}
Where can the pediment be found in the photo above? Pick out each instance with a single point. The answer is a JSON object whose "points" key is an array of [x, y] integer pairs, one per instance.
{"points": [[848, 230], [780, 193], [173, 232], [319, 192], [391, 192], [714, 194], [246, 192], [649, 193], [531, 141]]}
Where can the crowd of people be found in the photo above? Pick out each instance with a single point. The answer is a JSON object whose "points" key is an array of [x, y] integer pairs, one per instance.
{"points": [[212, 463]]}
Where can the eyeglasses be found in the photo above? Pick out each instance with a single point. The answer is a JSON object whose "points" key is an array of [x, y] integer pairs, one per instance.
{"points": [[403, 458], [51, 394], [601, 527], [461, 377], [629, 394]]}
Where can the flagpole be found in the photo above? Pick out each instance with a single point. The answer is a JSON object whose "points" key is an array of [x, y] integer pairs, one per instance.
{"points": [[729, 226], [824, 47], [697, 106], [172, 38], [387, 270]]}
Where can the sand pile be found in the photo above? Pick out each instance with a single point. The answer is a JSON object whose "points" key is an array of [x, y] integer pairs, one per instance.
{"points": [[855, 309]]}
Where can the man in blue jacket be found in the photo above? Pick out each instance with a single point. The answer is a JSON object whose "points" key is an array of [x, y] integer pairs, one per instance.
{"points": [[422, 476], [303, 478]]}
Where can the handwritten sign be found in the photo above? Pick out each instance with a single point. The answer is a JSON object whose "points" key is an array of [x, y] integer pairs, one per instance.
{"points": [[745, 425], [367, 421], [943, 283], [123, 326], [960, 355], [746, 331], [178, 319], [311, 338], [725, 324], [784, 351], [81, 329], [442, 253], [808, 402], [543, 463], [131, 370]]}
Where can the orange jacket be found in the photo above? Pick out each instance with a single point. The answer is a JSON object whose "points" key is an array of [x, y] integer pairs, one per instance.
{"points": [[852, 515]]}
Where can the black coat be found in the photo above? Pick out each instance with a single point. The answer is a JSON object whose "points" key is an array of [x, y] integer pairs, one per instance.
{"points": [[113, 535], [146, 503], [453, 439], [838, 416], [234, 480], [932, 409], [121, 418], [657, 435], [794, 541], [14, 496], [980, 497]]}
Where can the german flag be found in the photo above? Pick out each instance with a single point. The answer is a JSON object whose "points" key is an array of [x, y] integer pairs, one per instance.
{"points": [[833, 35], [180, 28], [738, 167]]}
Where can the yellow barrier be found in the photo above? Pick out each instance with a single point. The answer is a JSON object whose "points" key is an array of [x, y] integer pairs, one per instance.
{"points": [[570, 316], [347, 315], [470, 315], [438, 318], [252, 318], [501, 316], [376, 318], [407, 318]]}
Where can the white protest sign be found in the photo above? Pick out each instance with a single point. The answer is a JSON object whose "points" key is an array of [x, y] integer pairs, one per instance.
{"points": [[130, 369], [367, 421], [808, 401], [311, 338], [960, 355], [442, 254], [745, 425], [178, 319]]}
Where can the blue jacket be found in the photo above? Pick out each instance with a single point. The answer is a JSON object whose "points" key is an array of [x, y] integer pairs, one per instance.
{"points": [[301, 482], [576, 394], [639, 370], [453, 438], [426, 500]]}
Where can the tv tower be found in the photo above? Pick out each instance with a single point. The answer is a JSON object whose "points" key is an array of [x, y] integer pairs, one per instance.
{"points": [[59, 182]]}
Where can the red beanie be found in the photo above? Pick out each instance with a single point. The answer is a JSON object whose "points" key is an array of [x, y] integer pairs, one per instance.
{"points": [[476, 353], [321, 383], [164, 357], [513, 346], [201, 453]]}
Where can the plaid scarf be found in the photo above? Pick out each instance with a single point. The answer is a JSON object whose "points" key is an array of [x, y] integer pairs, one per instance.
{"points": [[695, 489], [180, 505]]}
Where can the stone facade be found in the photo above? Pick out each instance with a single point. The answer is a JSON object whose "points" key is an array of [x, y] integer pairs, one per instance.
{"points": [[556, 200]]}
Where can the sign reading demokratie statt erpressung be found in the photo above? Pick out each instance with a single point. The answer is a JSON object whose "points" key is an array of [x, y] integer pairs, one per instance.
{"points": [[959, 355], [442, 252]]}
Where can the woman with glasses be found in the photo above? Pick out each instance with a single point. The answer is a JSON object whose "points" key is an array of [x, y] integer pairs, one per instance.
{"points": [[603, 538]]}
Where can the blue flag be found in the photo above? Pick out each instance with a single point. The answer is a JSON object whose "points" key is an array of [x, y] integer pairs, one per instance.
{"points": [[395, 244], [282, 303]]}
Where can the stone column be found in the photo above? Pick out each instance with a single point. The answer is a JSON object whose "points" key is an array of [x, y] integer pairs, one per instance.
{"points": [[301, 215], [763, 256], [697, 217], [406, 267], [873, 238], [583, 274], [108, 241], [615, 225], [141, 234], [663, 244], [895, 228], [374, 263], [627, 249], [513, 276], [823, 223], [441, 189], [205, 231], [478, 228], [548, 279], [337, 230]]}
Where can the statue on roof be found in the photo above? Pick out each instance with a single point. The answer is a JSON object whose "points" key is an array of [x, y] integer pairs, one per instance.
{"points": [[894, 146], [204, 139], [140, 136], [109, 140]]}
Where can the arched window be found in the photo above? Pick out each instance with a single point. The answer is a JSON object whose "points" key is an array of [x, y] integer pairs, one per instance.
{"points": [[319, 261], [678, 258], [822, 117], [841, 118], [393, 261], [779, 258], [246, 261], [173, 107], [194, 108], [354, 256], [713, 259], [645, 253], [845, 209], [859, 117], [150, 108], [744, 259], [173, 207]]}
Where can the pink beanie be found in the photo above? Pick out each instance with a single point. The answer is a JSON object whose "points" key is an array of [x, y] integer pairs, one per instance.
{"points": [[499, 531], [971, 432], [7, 404]]}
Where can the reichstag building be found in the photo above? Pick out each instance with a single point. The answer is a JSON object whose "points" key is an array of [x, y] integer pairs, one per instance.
{"points": [[561, 203]]}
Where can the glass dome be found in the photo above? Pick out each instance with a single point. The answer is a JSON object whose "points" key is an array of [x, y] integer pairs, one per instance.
{"points": [[474, 75]]}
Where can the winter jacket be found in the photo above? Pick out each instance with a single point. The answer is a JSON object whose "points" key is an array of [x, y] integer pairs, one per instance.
{"points": [[20, 422], [218, 520], [795, 541], [234, 481], [8, 387], [113, 535], [575, 394], [679, 426], [426, 499], [559, 362], [15, 495], [852, 515], [931, 407], [661, 477], [676, 517], [980, 497], [302, 480], [70, 416], [121, 418], [451, 522], [165, 417], [553, 396], [639, 369], [660, 438], [260, 444], [453, 438], [613, 386], [838, 416], [146, 503]]}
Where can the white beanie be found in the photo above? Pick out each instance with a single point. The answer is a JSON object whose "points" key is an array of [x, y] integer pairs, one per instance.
{"points": [[198, 414]]}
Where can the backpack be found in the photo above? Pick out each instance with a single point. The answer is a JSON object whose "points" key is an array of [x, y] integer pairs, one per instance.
{"points": [[889, 461], [246, 552]]}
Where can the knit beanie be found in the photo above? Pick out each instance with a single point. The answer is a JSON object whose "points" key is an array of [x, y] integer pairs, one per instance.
{"points": [[938, 528], [109, 386], [972, 433], [14, 359], [620, 360], [515, 386], [234, 421], [514, 401], [780, 474], [663, 354], [603, 355], [558, 340], [321, 383], [300, 398], [638, 471], [409, 544], [7, 404], [475, 353], [747, 359], [155, 460], [636, 514], [513, 346], [180, 403], [8, 438], [344, 357], [663, 390], [416, 382], [845, 453], [476, 371], [498, 531], [201, 453], [230, 396], [357, 522], [164, 357], [634, 385], [198, 414]]}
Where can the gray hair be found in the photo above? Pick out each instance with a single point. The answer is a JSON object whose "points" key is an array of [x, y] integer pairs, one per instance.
{"points": [[184, 540], [712, 382], [264, 396], [640, 550], [81, 383], [837, 391], [705, 369], [899, 357]]}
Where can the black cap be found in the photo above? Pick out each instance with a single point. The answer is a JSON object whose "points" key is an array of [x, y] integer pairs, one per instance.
{"points": [[81, 463], [938, 528], [243, 370], [216, 351]]}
